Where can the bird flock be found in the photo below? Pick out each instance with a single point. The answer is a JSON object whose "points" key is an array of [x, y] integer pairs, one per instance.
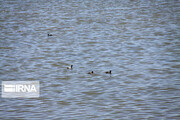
{"points": [[91, 72], [71, 67]]}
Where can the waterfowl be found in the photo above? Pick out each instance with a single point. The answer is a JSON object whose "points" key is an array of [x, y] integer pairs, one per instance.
{"points": [[108, 72], [90, 72], [50, 35], [70, 67]]}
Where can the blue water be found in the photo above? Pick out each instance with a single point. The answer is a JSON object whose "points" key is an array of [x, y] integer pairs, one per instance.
{"points": [[138, 40]]}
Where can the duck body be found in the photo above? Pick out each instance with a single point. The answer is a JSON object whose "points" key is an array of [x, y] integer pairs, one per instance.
{"points": [[90, 72], [49, 35], [70, 67], [108, 72]]}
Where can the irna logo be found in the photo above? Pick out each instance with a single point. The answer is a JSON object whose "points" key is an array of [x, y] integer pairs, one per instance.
{"points": [[13, 89], [20, 88]]}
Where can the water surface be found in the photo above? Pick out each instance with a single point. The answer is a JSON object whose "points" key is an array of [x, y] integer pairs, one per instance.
{"points": [[138, 40]]}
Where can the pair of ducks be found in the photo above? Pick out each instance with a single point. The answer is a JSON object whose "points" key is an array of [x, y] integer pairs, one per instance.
{"points": [[71, 67], [108, 72]]}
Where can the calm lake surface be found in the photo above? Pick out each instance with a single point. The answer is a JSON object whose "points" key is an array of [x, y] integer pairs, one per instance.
{"points": [[138, 40]]}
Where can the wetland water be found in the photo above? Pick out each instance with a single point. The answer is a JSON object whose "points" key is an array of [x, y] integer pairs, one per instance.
{"points": [[138, 40]]}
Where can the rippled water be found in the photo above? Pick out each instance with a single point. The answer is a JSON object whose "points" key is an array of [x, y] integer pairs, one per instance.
{"points": [[138, 40]]}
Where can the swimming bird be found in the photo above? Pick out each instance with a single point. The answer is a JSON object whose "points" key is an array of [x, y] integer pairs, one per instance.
{"points": [[108, 72], [49, 35], [70, 67], [90, 72]]}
